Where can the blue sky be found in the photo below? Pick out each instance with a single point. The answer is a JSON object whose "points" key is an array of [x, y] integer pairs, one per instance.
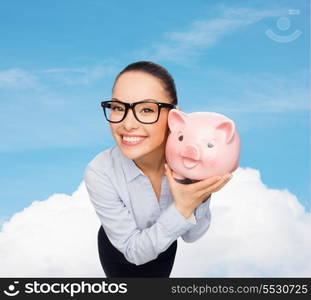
{"points": [[59, 60]]}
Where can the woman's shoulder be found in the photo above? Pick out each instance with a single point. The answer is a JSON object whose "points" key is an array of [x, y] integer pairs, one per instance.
{"points": [[105, 160]]}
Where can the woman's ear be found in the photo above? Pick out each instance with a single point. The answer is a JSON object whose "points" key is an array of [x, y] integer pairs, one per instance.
{"points": [[178, 108]]}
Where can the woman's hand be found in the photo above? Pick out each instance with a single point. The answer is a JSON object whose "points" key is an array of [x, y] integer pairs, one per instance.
{"points": [[187, 197]]}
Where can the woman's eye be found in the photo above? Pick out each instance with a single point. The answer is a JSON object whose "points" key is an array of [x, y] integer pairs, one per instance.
{"points": [[147, 110], [181, 137], [117, 108], [210, 145]]}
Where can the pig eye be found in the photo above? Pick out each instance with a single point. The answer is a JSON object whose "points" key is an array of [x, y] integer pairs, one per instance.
{"points": [[181, 137], [210, 145]]}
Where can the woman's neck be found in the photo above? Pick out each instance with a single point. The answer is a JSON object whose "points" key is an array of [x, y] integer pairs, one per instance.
{"points": [[152, 164]]}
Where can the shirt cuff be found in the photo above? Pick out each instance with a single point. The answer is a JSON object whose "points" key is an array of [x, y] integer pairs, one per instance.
{"points": [[203, 209], [174, 222]]}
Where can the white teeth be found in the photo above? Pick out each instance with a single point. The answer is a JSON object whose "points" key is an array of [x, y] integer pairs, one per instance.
{"points": [[131, 139]]}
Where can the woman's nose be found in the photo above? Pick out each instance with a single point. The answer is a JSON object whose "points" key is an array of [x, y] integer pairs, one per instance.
{"points": [[130, 121]]}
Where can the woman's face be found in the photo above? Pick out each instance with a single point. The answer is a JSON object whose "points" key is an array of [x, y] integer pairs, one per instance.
{"points": [[134, 86]]}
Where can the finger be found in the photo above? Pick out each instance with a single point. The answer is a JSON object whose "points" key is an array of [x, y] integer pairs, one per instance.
{"points": [[167, 170], [219, 185], [168, 173], [216, 186], [203, 184]]}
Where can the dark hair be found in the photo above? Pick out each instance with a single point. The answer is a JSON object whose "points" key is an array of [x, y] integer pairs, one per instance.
{"points": [[155, 70]]}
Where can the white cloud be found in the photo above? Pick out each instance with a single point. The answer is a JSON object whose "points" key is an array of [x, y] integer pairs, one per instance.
{"points": [[202, 34], [2, 220], [274, 93], [78, 76], [255, 231], [55, 237], [17, 78]]}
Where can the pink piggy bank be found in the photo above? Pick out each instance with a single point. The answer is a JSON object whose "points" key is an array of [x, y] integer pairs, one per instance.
{"points": [[201, 145]]}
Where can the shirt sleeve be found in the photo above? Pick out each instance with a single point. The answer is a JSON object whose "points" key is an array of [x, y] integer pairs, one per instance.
{"points": [[203, 219], [138, 246]]}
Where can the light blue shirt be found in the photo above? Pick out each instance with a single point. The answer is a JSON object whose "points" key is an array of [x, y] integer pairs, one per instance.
{"points": [[136, 223]]}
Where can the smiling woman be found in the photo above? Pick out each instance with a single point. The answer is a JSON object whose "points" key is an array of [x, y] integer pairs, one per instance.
{"points": [[141, 208]]}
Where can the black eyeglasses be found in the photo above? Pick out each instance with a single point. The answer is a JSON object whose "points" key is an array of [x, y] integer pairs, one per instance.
{"points": [[146, 111]]}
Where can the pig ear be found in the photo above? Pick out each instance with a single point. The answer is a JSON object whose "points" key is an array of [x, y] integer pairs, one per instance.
{"points": [[176, 118], [228, 128]]}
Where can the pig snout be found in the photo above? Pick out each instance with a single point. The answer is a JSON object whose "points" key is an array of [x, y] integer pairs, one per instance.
{"points": [[191, 151], [190, 156]]}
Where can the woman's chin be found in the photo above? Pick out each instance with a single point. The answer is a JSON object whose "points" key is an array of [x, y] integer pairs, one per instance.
{"points": [[137, 153], [133, 152]]}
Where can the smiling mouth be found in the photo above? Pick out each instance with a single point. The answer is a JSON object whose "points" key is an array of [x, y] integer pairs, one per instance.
{"points": [[189, 163], [132, 140]]}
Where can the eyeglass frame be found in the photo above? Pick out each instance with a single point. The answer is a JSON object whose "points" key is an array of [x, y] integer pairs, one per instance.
{"points": [[132, 107]]}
